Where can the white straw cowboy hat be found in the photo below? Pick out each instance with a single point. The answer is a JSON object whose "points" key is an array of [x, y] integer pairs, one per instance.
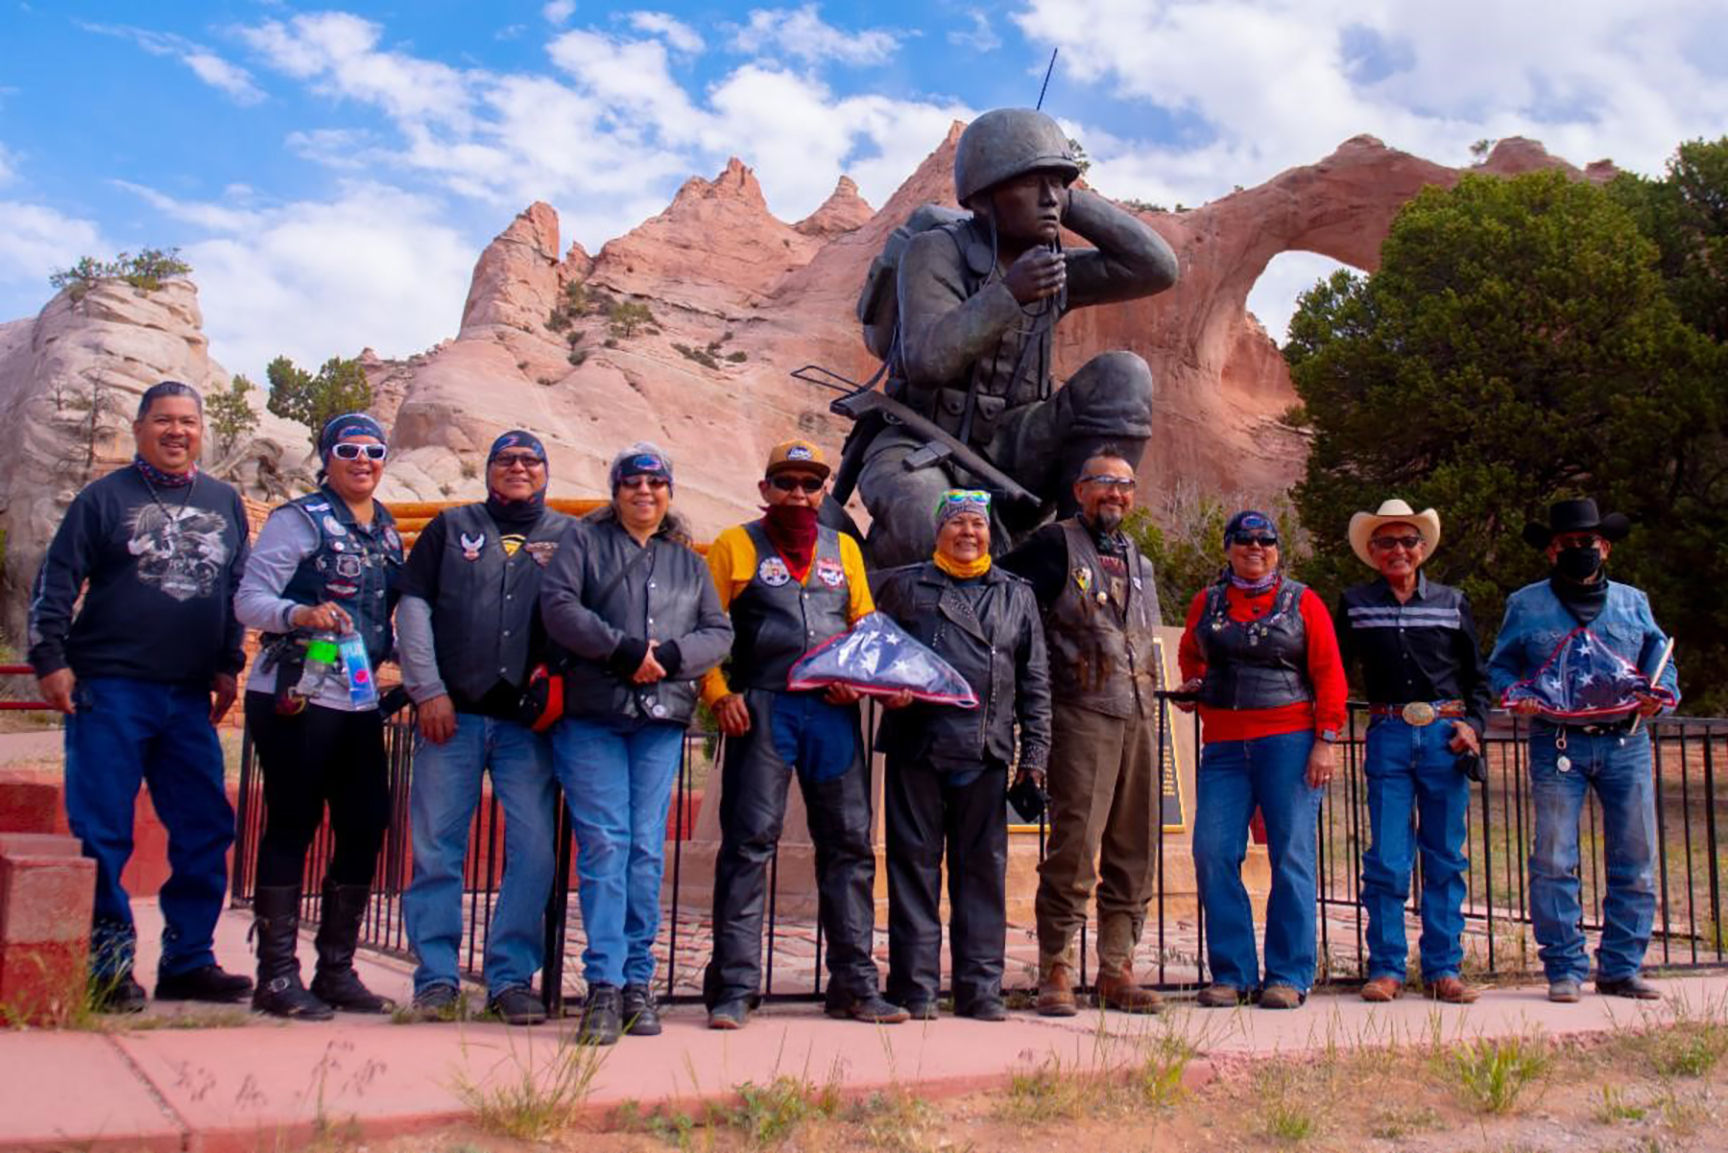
{"points": [[1364, 525]]}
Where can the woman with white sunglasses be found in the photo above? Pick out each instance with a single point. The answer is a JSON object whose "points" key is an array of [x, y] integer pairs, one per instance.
{"points": [[320, 585]]}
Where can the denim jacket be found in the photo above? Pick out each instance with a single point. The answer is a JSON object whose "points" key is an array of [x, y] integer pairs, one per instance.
{"points": [[1536, 622]]}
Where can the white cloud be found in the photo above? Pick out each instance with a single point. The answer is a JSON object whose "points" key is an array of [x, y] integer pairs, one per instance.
{"points": [[1287, 276], [558, 11], [211, 217], [8, 167], [675, 32], [340, 52], [981, 36], [375, 266], [38, 239], [212, 69], [1256, 86], [803, 35]]}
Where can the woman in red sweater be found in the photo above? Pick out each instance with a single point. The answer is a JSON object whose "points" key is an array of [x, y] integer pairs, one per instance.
{"points": [[1260, 652]]}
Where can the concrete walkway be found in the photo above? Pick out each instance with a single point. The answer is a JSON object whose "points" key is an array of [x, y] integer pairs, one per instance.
{"points": [[252, 1083]]}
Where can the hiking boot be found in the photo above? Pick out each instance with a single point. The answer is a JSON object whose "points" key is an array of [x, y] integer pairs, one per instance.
{"points": [[515, 1005], [985, 1009], [334, 981], [1280, 997], [117, 994], [1453, 991], [602, 1016], [1221, 997], [276, 925], [872, 1009], [641, 1011], [205, 983], [1117, 990], [1634, 986], [1056, 993], [1383, 989], [1566, 991], [729, 1015], [440, 1002]]}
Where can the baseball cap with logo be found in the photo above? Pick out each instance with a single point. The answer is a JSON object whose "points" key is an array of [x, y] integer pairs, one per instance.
{"points": [[796, 454]]}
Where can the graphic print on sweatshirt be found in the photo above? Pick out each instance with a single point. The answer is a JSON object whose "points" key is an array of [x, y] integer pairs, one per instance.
{"points": [[180, 550]]}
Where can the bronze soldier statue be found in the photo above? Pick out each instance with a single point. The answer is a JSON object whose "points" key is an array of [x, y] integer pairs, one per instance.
{"points": [[967, 335]]}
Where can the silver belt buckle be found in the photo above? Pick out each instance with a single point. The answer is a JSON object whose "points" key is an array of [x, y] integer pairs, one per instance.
{"points": [[1418, 714]]}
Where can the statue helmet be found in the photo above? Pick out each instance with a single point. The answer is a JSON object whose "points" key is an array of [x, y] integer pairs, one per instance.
{"points": [[1006, 142]]}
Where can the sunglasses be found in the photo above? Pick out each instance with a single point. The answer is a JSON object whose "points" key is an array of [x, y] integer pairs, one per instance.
{"points": [[509, 460], [348, 450], [643, 480], [1264, 540], [1126, 483], [966, 496], [811, 484], [1387, 543]]}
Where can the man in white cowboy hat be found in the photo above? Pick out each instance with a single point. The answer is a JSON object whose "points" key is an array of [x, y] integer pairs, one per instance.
{"points": [[1415, 643]]}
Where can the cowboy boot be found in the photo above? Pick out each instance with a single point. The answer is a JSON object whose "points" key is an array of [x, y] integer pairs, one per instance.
{"points": [[1056, 991], [276, 926], [335, 980], [1117, 936]]}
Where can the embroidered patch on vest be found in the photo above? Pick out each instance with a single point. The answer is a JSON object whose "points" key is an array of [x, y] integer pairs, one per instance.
{"points": [[773, 572], [1083, 578], [511, 542], [830, 573], [340, 589], [334, 526], [348, 567], [392, 538], [542, 551], [471, 546]]}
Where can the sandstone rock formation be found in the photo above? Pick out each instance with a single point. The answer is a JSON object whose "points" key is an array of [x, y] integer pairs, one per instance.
{"points": [[70, 380], [734, 300]]}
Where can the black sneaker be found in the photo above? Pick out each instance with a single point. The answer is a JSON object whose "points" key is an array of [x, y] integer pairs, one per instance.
{"points": [[872, 1009], [919, 1009], [122, 994], [440, 1002], [985, 1009], [729, 1015], [517, 1005], [1634, 986], [641, 1011], [207, 983], [602, 1016]]}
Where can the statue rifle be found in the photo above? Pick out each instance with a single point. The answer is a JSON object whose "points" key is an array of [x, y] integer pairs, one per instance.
{"points": [[1655, 679], [857, 403]]}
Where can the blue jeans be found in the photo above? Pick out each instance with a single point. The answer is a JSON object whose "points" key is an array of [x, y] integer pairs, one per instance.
{"points": [[442, 800], [1618, 768], [1235, 776], [617, 778], [128, 732], [1414, 768]]}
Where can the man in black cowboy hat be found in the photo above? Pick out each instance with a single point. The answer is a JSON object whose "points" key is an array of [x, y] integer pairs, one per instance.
{"points": [[1584, 738]]}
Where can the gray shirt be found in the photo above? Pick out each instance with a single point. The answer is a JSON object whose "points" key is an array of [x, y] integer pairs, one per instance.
{"points": [[286, 539]]}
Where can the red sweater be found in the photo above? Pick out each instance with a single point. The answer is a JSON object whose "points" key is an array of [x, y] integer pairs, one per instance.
{"points": [[1325, 672]]}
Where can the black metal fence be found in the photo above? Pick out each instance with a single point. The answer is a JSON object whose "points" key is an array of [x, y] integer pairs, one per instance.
{"points": [[1689, 929]]}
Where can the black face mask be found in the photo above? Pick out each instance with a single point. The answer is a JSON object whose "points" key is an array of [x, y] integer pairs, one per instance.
{"points": [[1579, 564]]}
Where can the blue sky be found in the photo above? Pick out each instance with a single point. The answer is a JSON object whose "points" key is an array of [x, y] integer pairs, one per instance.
{"points": [[332, 173]]}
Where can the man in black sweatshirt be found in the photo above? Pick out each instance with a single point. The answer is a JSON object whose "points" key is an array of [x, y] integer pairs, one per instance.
{"points": [[134, 669]]}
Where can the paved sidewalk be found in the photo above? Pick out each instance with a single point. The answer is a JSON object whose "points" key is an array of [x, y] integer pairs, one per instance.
{"points": [[268, 1084]]}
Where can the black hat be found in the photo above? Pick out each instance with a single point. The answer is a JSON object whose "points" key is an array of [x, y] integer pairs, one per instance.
{"points": [[1576, 516]]}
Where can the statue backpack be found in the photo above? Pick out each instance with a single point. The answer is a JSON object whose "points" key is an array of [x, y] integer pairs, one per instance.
{"points": [[879, 302]]}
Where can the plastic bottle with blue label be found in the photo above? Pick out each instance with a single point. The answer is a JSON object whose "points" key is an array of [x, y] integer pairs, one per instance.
{"points": [[357, 669]]}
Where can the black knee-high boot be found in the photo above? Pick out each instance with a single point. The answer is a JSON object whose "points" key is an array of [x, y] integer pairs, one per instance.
{"points": [[277, 928], [335, 980]]}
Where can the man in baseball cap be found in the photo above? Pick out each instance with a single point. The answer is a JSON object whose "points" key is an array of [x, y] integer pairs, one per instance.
{"points": [[790, 584], [1421, 670]]}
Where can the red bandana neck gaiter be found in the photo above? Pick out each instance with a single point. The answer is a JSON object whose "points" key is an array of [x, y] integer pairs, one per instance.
{"points": [[792, 529]]}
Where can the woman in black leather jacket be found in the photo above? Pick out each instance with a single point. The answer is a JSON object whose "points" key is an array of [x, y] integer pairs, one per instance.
{"points": [[947, 778]]}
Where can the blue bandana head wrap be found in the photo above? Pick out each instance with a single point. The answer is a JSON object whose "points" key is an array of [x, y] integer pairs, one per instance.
{"points": [[347, 425], [516, 438]]}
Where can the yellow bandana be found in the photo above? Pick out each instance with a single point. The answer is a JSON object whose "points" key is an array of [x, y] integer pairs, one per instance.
{"points": [[963, 571]]}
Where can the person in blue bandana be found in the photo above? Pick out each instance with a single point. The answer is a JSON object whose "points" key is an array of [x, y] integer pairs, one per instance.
{"points": [[1581, 621], [324, 574]]}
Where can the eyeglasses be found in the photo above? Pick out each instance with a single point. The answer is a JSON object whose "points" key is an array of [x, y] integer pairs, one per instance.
{"points": [[643, 480], [1126, 483], [348, 450], [509, 460], [1264, 540], [811, 484], [1387, 543]]}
